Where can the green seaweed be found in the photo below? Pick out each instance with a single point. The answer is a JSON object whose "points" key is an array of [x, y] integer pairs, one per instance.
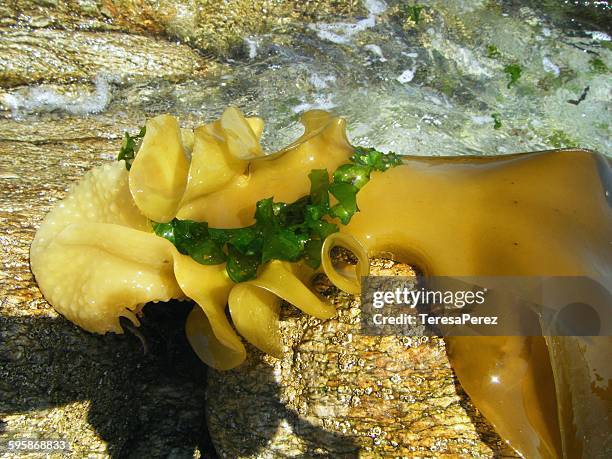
{"points": [[412, 12], [598, 66], [493, 52], [282, 231], [497, 124], [513, 72], [559, 139], [129, 147]]}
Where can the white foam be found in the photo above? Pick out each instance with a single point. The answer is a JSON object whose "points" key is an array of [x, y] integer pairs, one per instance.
{"points": [[598, 36], [375, 6], [252, 47], [550, 66], [341, 32], [321, 81], [482, 119], [320, 103], [375, 49], [43, 98], [406, 76]]}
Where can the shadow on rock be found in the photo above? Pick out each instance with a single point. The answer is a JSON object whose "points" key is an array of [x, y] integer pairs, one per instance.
{"points": [[268, 425], [142, 405], [247, 413]]}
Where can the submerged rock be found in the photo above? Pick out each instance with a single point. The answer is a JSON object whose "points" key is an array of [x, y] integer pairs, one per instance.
{"points": [[337, 393], [70, 56]]}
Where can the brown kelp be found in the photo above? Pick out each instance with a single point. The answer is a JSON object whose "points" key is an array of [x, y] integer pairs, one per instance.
{"points": [[193, 217]]}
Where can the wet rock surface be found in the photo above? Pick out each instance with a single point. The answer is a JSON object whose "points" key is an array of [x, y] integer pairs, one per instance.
{"points": [[338, 393], [101, 395], [43, 55]]}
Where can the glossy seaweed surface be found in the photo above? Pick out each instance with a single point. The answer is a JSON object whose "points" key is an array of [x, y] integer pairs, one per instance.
{"points": [[533, 214]]}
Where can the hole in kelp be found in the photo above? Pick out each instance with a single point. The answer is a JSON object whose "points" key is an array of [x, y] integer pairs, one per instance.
{"points": [[577, 319], [344, 261]]}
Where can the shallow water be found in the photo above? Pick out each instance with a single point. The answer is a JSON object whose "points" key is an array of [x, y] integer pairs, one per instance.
{"points": [[427, 80]]}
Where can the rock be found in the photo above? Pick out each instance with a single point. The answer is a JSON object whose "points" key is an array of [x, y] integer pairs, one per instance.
{"points": [[337, 393], [100, 394], [69, 41], [69, 56], [209, 26]]}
